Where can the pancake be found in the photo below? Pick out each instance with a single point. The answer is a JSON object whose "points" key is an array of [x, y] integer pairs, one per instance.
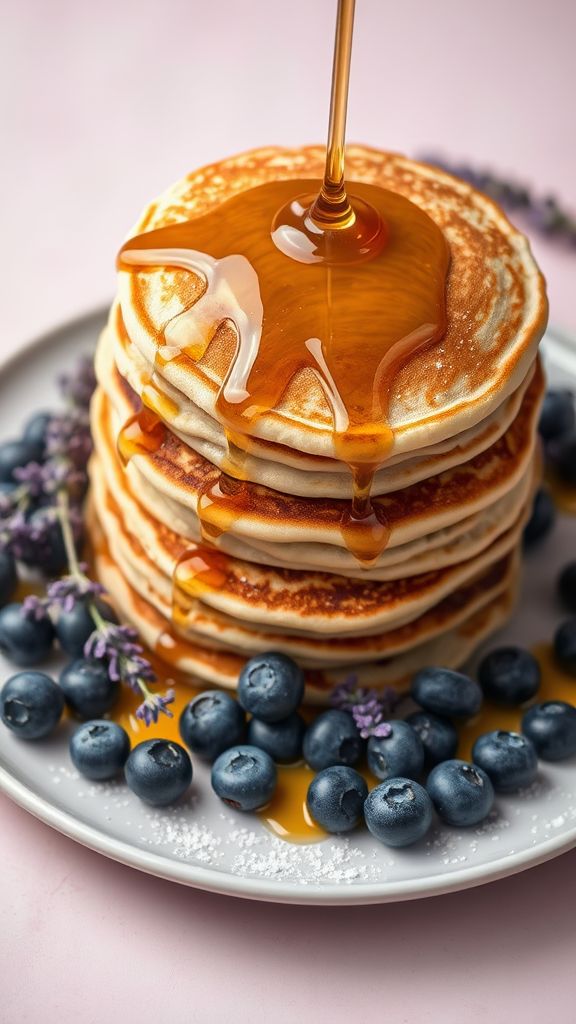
{"points": [[182, 475], [220, 542], [203, 664], [284, 600], [277, 466], [496, 305], [463, 540]]}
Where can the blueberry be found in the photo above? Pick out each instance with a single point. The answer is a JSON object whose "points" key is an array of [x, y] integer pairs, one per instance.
{"points": [[31, 705], [399, 754], [158, 771], [88, 690], [444, 692], [244, 777], [567, 586], [332, 738], [336, 798], [398, 812], [565, 646], [509, 676], [99, 749], [282, 740], [552, 728], [35, 431], [557, 414], [211, 723], [8, 577], [45, 548], [462, 793], [541, 520], [271, 686], [562, 457], [437, 735], [74, 627], [508, 758], [23, 639], [15, 454]]}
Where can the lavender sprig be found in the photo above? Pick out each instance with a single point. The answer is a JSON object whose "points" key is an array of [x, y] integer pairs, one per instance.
{"points": [[543, 213], [114, 643], [368, 708], [60, 483], [149, 710], [68, 448]]}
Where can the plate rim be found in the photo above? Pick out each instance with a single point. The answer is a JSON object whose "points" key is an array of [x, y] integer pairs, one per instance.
{"points": [[226, 883], [271, 891]]}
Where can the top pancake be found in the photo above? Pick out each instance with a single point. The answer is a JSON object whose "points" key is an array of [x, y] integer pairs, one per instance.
{"points": [[496, 305]]}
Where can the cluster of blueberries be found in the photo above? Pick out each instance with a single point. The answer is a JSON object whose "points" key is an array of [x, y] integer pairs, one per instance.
{"points": [[399, 810], [415, 762], [246, 738]]}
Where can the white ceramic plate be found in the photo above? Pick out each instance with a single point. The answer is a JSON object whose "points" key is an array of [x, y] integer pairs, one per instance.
{"points": [[202, 843]]}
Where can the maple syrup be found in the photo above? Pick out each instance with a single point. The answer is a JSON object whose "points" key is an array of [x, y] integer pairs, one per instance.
{"points": [[345, 282]]}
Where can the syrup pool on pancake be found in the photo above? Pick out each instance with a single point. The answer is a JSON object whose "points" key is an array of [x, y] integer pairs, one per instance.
{"points": [[345, 284]]}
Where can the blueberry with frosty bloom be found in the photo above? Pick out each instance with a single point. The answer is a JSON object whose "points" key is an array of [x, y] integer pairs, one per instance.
{"points": [[31, 705], [398, 753], [561, 457], [88, 690], [158, 771], [213, 722], [23, 640], [14, 455], [75, 627], [335, 798], [46, 549], [282, 740], [462, 793], [398, 812], [332, 738], [244, 777], [99, 749], [270, 686], [35, 430]]}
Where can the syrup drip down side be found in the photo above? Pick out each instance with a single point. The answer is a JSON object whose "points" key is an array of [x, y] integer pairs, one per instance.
{"points": [[290, 316]]}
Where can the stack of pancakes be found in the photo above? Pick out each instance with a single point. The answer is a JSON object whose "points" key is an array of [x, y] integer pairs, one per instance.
{"points": [[455, 490]]}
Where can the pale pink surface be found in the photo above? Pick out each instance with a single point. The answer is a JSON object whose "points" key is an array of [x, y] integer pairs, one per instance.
{"points": [[104, 105]]}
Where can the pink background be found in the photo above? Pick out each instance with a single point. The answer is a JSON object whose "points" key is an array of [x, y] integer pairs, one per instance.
{"points": [[103, 105]]}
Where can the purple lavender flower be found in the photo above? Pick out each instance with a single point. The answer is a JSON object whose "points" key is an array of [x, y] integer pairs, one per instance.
{"points": [[118, 645], [369, 718], [16, 533], [35, 607], [347, 694], [34, 476], [154, 705], [66, 592]]}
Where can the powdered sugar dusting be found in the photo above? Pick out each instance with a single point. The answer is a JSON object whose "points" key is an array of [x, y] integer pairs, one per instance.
{"points": [[201, 831]]}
